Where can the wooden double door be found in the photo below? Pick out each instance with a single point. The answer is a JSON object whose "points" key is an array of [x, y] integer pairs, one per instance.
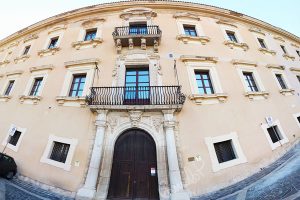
{"points": [[134, 169]]}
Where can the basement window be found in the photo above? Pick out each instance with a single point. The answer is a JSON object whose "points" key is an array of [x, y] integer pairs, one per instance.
{"points": [[224, 151]]}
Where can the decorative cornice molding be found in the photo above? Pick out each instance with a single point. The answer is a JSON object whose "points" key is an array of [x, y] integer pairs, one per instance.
{"points": [[33, 99], [21, 58], [41, 68], [193, 58], [272, 66], [186, 15], [16, 72], [267, 51], [186, 38], [226, 22], [51, 51], [61, 100], [94, 43], [140, 11], [243, 62], [82, 62], [232, 44], [30, 37], [57, 28], [279, 38], [87, 23], [288, 57], [295, 45], [293, 69], [256, 30]]}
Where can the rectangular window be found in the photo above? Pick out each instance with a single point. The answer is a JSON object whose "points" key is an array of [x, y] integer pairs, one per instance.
{"points": [[13, 140], [298, 77], [139, 28], [90, 34], [251, 84], [281, 81], [262, 43], [190, 30], [26, 50], [283, 49], [274, 134], [53, 43], [204, 82], [224, 151], [298, 52], [298, 118], [77, 85], [231, 36], [59, 152], [9, 87], [36, 87]]}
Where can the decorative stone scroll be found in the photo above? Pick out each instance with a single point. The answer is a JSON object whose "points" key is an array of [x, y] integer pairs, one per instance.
{"points": [[193, 58]]}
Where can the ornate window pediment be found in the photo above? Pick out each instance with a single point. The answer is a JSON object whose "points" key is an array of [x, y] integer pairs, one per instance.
{"points": [[57, 28], [138, 12], [244, 62], [256, 30], [226, 22], [90, 23], [30, 37], [270, 66], [186, 15]]}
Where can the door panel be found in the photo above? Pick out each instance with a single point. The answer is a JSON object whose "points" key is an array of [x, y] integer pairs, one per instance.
{"points": [[134, 157]]}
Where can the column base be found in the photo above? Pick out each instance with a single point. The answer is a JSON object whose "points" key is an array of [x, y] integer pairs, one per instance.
{"points": [[183, 195], [85, 194]]}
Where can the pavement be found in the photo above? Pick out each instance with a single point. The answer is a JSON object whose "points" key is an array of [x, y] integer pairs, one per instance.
{"points": [[278, 181]]}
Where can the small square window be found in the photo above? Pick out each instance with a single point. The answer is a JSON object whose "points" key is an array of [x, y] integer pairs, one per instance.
{"points": [[262, 43], [77, 85], [224, 151], [13, 140], [190, 30], [231, 36], [59, 152], [9, 87], [204, 82], [36, 87], [281, 81], [274, 134], [283, 49], [90, 34], [26, 50], [53, 43], [250, 82]]}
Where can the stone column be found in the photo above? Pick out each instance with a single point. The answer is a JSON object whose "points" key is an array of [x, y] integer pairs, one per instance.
{"points": [[89, 189], [177, 191]]}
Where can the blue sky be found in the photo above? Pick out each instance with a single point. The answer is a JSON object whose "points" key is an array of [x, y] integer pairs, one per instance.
{"points": [[18, 14]]}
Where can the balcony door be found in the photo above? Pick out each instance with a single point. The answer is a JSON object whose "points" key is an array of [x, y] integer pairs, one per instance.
{"points": [[137, 86], [139, 28]]}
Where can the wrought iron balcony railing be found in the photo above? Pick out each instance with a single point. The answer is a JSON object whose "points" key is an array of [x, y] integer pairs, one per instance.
{"points": [[143, 95], [151, 34]]}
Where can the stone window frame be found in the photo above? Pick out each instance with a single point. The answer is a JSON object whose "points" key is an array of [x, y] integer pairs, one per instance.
{"points": [[296, 115], [275, 145], [240, 44], [13, 76], [4, 88], [139, 14], [45, 50], [48, 150], [240, 156], [266, 50], [289, 90], [6, 139]]}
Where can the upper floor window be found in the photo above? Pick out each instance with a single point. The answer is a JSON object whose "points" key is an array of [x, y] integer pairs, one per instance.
{"points": [[283, 49], [298, 77], [26, 50], [77, 85], [13, 140], [9, 87], [90, 34], [204, 82], [138, 28], [36, 86], [231, 35], [262, 43], [298, 52], [281, 81], [53, 43], [59, 152], [250, 82], [190, 30]]}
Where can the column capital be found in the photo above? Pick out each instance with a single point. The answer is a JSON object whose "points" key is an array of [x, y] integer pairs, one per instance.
{"points": [[101, 118], [169, 124]]}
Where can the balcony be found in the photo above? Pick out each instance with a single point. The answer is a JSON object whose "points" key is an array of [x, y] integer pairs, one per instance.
{"points": [[132, 36], [136, 98]]}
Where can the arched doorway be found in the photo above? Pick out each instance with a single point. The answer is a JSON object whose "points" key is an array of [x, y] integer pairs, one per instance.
{"points": [[134, 169]]}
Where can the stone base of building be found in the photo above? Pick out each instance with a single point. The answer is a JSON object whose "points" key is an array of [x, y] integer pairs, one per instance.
{"points": [[183, 195], [85, 194]]}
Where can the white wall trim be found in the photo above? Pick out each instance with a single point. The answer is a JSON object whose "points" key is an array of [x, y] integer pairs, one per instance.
{"points": [[47, 152], [6, 140], [240, 157]]}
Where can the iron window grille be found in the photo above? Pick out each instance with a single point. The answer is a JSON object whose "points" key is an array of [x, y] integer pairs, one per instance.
{"points": [[9, 87], [26, 50], [251, 84], [77, 85], [281, 81], [13, 140], [36, 87], [231, 36], [224, 151], [262, 43], [204, 82], [274, 134], [90, 34], [190, 30], [60, 152], [53, 43]]}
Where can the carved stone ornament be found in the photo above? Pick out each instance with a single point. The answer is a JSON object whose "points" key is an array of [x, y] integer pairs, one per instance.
{"points": [[113, 122], [186, 15], [157, 123], [135, 117], [138, 12], [88, 23]]}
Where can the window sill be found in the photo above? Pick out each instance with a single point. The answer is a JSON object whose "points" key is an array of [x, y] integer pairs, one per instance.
{"points": [[71, 101], [186, 39], [267, 51], [228, 164], [287, 92], [34, 100], [48, 52], [257, 95], [48, 161], [232, 45], [288, 57], [209, 98], [5, 98], [4, 62], [22, 58], [87, 44]]}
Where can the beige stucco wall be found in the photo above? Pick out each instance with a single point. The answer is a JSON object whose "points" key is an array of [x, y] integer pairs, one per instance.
{"points": [[196, 122]]}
